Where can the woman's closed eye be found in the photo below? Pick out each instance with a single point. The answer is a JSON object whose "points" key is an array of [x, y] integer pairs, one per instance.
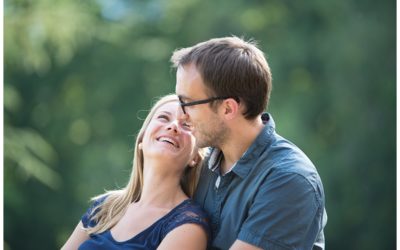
{"points": [[163, 117]]}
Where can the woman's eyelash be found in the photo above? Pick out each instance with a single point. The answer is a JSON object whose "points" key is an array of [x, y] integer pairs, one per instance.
{"points": [[163, 117]]}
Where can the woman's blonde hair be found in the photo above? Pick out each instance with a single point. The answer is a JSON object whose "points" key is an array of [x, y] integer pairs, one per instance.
{"points": [[116, 201]]}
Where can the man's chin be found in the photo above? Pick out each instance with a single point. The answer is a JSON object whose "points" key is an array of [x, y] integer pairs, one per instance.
{"points": [[202, 141], [201, 144]]}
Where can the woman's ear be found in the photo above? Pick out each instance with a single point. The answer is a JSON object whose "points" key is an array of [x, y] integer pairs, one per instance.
{"points": [[140, 146], [196, 159]]}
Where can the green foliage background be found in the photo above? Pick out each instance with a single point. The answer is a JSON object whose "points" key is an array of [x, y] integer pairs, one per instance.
{"points": [[78, 75]]}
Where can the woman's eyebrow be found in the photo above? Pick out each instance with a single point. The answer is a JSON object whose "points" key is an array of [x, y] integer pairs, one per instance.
{"points": [[167, 112]]}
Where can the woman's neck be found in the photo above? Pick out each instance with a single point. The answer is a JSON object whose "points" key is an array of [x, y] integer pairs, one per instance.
{"points": [[161, 188]]}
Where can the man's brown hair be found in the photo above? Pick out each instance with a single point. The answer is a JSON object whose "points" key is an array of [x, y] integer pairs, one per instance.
{"points": [[230, 66]]}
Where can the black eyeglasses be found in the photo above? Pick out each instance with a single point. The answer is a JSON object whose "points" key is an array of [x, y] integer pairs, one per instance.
{"points": [[208, 100]]}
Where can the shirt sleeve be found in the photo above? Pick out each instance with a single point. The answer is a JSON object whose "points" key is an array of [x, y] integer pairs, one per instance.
{"points": [[86, 218], [191, 215], [283, 214]]}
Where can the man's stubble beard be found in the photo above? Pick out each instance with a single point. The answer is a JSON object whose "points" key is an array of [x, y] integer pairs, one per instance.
{"points": [[211, 134]]}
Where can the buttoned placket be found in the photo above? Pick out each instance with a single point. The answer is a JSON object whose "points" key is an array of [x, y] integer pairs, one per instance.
{"points": [[220, 188], [221, 191]]}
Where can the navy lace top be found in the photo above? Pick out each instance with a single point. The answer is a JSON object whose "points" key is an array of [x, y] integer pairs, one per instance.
{"points": [[150, 238]]}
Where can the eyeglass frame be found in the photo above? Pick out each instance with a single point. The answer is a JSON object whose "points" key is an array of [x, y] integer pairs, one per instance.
{"points": [[203, 101]]}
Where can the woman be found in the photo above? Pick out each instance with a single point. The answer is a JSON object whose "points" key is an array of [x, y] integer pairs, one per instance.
{"points": [[154, 210]]}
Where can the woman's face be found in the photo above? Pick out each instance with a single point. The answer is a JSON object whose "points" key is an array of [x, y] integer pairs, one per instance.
{"points": [[168, 138]]}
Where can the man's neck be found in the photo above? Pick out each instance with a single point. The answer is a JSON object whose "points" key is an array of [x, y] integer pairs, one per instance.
{"points": [[242, 135]]}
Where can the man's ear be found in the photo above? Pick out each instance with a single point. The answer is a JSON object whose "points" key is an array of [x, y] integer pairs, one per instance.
{"points": [[231, 108]]}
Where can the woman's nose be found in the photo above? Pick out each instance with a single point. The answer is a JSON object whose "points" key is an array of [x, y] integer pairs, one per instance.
{"points": [[173, 125]]}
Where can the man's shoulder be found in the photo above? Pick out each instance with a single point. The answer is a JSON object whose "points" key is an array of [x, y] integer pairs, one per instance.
{"points": [[286, 153], [283, 158]]}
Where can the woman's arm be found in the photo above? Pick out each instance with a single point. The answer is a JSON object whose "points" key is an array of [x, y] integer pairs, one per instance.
{"points": [[78, 236], [187, 236]]}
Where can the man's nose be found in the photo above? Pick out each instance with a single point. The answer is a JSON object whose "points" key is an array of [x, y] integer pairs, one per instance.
{"points": [[183, 117]]}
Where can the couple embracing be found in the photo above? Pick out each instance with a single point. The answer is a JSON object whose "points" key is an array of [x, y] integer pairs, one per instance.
{"points": [[209, 171]]}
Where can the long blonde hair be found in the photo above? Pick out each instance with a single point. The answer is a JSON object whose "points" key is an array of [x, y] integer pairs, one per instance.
{"points": [[116, 201]]}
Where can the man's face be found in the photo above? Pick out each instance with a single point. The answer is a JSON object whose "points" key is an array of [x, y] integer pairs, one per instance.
{"points": [[207, 126]]}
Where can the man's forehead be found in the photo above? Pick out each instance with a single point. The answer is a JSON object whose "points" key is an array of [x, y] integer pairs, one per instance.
{"points": [[189, 85], [189, 71]]}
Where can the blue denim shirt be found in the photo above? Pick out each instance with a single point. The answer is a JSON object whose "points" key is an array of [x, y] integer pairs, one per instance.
{"points": [[272, 198]]}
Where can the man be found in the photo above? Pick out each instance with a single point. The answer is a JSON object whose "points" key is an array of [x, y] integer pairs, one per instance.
{"points": [[260, 190]]}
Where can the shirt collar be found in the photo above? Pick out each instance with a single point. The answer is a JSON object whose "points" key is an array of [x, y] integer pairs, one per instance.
{"points": [[253, 152]]}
